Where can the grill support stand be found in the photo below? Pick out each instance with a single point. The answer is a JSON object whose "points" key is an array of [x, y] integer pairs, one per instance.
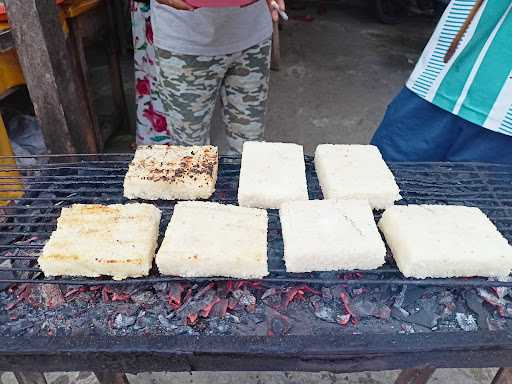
{"points": [[504, 376], [30, 377], [415, 376], [111, 378], [407, 376]]}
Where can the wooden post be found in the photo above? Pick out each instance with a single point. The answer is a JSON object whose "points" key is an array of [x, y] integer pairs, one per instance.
{"points": [[118, 95], [51, 77], [504, 376], [415, 376], [111, 378], [276, 48], [6, 41], [79, 60], [121, 12], [30, 377]]}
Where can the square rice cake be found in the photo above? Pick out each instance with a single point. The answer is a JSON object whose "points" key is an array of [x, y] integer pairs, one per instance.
{"points": [[211, 239], [172, 173], [93, 240], [355, 172], [271, 174], [329, 235], [445, 241]]}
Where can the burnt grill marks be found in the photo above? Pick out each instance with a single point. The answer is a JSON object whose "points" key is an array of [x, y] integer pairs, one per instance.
{"points": [[193, 166]]}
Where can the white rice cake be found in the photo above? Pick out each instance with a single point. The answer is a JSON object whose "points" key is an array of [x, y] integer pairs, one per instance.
{"points": [[172, 173], [271, 174], [93, 240], [211, 239], [445, 241], [327, 235], [355, 172]]}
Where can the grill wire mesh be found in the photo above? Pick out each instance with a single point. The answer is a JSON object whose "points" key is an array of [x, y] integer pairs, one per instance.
{"points": [[60, 180]]}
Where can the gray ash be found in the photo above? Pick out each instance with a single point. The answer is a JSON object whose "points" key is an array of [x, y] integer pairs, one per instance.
{"points": [[248, 308]]}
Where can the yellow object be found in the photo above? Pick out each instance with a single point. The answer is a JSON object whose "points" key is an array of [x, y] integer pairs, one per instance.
{"points": [[74, 8], [9, 188], [10, 71], [11, 76]]}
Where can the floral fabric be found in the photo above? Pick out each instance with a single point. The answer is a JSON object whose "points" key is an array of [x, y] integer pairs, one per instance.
{"points": [[152, 121]]}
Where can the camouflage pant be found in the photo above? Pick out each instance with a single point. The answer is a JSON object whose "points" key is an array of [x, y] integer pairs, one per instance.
{"points": [[189, 86]]}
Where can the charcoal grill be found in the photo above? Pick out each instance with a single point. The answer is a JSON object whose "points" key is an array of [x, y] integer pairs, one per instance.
{"points": [[59, 181]]}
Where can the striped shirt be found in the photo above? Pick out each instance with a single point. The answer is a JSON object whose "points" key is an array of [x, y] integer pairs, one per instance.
{"points": [[476, 83]]}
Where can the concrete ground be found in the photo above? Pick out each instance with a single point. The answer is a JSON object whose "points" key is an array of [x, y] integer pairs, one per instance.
{"points": [[442, 376], [338, 74]]}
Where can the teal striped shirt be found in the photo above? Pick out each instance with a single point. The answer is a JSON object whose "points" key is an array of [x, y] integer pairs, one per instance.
{"points": [[476, 84]]}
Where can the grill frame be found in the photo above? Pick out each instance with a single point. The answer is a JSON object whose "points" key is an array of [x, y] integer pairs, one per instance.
{"points": [[311, 353], [487, 186], [308, 353]]}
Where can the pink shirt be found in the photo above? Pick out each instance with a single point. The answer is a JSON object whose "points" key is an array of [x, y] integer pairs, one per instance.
{"points": [[219, 3]]}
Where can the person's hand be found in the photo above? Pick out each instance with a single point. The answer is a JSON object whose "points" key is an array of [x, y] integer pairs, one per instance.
{"points": [[177, 4], [273, 11]]}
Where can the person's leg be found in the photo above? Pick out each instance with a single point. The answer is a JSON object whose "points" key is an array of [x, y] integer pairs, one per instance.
{"points": [[188, 86], [151, 118], [244, 95], [476, 143], [415, 130]]}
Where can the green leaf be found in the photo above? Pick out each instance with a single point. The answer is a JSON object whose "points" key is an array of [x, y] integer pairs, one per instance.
{"points": [[142, 47], [160, 138]]}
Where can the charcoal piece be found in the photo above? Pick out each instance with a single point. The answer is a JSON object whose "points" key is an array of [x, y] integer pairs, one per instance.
{"points": [[412, 294], [491, 298], [476, 304], [218, 326], [496, 324], [6, 264], [160, 287], [406, 328], [122, 321], [501, 292], [52, 295], [144, 298], [4, 317], [272, 297], [467, 322], [400, 298], [327, 294], [364, 306], [164, 322], [277, 324], [20, 327], [325, 313], [191, 309], [244, 297], [399, 313], [145, 320], [427, 316]]}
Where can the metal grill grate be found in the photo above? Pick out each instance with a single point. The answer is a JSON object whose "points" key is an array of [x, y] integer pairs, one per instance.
{"points": [[60, 180]]}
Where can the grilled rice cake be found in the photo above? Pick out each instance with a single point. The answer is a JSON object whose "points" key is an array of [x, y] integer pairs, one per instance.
{"points": [[211, 239], [271, 174], [94, 240], [328, 235], [172, 173], [445, 241], [355, 172]]}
